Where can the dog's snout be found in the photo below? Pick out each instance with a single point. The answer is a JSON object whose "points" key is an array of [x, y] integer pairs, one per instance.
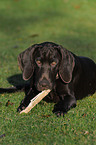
{"points": [[44, 84]]}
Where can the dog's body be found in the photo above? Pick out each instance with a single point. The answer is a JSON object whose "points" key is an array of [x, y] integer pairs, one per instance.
{"points": [[50, 66]]}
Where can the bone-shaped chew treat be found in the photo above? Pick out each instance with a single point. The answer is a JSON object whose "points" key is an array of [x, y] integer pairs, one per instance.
{"points": [[35, 101]]}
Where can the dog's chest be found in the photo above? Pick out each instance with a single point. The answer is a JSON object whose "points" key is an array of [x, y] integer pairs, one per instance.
{"points": [[61, 87]]}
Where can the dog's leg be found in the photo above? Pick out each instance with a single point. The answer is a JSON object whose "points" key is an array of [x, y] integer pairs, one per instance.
{"points": [[64, 105], [25, 102]]}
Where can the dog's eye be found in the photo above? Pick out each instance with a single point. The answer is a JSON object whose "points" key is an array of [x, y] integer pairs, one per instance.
{"points": [[53, 63], [38, 62]]}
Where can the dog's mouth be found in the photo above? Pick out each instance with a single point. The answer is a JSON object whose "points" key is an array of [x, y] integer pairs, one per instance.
{"points": [[43, 87]]}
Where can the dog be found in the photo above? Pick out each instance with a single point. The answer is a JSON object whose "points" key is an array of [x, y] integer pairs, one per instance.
{"points": [[50, 66]]}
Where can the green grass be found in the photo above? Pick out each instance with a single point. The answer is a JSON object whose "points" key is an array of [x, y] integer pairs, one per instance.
{"points": [[70, 23]]}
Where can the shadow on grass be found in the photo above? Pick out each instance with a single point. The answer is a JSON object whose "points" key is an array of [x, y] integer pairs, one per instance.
{"points": [[18, 85], [16, 80]]}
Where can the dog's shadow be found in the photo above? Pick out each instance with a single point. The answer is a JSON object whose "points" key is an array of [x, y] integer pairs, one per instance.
{"points": [[18, 82]]}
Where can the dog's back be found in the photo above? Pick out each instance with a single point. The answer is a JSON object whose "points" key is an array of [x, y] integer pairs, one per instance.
{"points": [[86, 84]]}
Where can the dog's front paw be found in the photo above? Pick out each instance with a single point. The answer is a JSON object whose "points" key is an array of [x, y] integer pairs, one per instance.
{"points": [[59, 109], [21, 107], [59, 113]]}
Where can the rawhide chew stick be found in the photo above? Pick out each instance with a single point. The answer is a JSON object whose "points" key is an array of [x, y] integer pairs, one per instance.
{"points": [[35, 101]]}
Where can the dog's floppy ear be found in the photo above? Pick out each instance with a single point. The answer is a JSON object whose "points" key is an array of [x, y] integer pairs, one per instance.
{"points": [[25, 61], [67, 65]]}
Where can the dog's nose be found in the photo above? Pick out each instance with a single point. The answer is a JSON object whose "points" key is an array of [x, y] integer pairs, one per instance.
{"points": [[44, 84]]}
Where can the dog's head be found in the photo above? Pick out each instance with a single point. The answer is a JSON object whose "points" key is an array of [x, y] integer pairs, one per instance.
{"points": [[45, 62]]}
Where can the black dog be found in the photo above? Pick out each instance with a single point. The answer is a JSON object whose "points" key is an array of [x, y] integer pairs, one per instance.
{"points": [[50, 66]]}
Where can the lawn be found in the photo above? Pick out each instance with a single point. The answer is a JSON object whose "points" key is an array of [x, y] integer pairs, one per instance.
{"points": [[70, 23]]}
